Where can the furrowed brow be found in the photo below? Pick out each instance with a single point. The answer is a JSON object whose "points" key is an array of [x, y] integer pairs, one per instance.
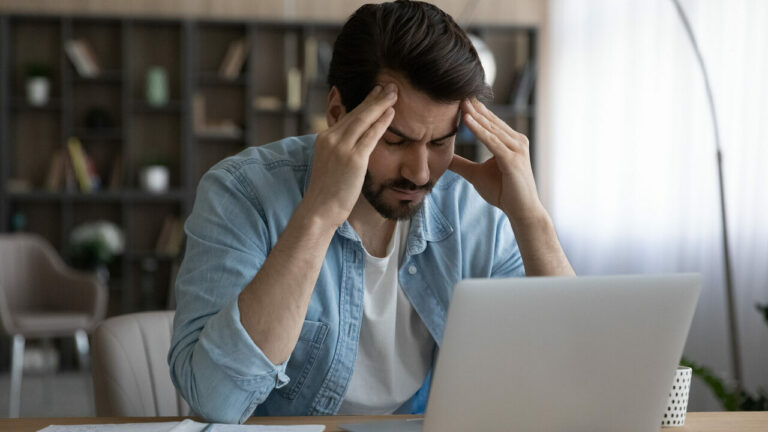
{"points": [[406, 137]]}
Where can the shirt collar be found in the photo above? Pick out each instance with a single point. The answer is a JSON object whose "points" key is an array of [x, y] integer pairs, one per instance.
{"points": [[428, 224]]}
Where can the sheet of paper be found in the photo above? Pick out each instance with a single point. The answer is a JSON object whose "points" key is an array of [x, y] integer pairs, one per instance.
{"points": [[183, 426]]}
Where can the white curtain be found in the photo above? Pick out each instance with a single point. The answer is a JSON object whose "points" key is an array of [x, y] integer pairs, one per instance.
{"points": [[633, 183]]}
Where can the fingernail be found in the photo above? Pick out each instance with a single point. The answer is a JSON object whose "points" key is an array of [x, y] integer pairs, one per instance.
{"points": [[376, 89], [391, 88]]}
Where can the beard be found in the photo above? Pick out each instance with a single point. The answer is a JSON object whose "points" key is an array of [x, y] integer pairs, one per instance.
{"points": [[399, 210]]}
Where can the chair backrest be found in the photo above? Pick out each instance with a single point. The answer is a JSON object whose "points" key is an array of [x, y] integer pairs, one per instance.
{"points": [[130, 372], [27, 265]]}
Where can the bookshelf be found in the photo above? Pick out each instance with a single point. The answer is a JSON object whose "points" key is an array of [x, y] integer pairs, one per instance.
{"points": [[251, 108]]}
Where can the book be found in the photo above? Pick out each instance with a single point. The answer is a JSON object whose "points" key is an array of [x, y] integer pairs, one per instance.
{"points": [[93, 173], [80, 165], [162, 238], [211, 129], [171, 237], [267, 103], [233, 60], [310, 58], [82, 57], [60, 173], [293, 81], [90, 56], [173, 247], [54, 180]]}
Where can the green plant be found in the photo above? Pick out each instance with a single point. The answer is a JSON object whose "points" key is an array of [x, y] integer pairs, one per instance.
{"points": [[38, 70], [730, 397], [764, 310], [94, 244]]}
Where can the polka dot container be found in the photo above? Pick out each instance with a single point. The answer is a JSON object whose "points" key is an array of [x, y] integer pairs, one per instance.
{"points": [[677, 400]]}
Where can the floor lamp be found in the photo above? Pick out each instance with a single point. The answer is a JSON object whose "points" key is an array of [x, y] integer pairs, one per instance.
{"points": [[732, 321]]}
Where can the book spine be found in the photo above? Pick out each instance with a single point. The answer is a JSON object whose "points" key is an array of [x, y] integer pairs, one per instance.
{"points": [[73, 52], [79, 164], [293, 99]]}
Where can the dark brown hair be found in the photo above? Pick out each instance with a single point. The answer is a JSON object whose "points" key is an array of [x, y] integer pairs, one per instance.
{"points": [[414, 38]]}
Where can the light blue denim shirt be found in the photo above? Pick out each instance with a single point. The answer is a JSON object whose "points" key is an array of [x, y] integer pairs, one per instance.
{"points": [[242, 205]]}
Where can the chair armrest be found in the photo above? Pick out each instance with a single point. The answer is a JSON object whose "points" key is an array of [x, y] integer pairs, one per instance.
{"points": [[80, 291]]}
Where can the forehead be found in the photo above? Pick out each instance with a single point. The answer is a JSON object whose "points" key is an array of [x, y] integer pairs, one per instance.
{"points": [[416, 114]]}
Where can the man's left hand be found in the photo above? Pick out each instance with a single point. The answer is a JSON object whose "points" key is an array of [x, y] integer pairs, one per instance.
{"points": [[506, 179]]}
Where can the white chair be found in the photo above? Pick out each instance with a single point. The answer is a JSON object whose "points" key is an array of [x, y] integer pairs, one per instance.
{"points": [[131, 377], [41, 297]]}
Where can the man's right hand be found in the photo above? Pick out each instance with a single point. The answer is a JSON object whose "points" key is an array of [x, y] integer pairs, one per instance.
{"points": [[341, 156]]}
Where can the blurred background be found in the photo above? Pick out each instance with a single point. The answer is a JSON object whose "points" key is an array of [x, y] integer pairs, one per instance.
{"points": [[110, 112]]}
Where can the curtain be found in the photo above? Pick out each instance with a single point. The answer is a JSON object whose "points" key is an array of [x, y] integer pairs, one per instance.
{"points": [[631, 159]]}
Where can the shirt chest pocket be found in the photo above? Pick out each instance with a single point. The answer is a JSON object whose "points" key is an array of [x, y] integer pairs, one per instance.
{"points": [[303, 358]]}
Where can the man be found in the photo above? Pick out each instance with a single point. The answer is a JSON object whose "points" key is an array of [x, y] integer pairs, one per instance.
{"points": [[319, 269]]}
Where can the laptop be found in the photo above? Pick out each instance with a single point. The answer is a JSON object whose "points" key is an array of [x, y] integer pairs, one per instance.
{"points": [[556, 354]]}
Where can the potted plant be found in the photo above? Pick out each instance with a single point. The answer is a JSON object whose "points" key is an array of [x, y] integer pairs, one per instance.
{"points": [[730, 396], [93, 245], [38, 84], [155, 176]]}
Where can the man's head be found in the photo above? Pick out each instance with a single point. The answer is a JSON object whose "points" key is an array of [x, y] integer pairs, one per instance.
{"points": [[419, 48]]}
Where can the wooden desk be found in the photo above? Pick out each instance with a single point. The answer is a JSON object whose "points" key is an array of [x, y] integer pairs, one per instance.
{"points": [[694, 422]]}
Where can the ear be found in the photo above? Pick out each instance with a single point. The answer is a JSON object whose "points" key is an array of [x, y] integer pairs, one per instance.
{"points": [[336, 109]]}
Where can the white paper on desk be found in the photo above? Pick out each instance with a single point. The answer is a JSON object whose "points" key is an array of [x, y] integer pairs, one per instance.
{"points": [[183, 426]]}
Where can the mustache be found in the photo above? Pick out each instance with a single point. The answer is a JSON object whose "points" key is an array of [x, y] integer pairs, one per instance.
{"points": [[405, 184]]}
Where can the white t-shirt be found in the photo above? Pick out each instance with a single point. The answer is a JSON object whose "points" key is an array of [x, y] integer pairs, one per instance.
{"points": [[395, 350]]}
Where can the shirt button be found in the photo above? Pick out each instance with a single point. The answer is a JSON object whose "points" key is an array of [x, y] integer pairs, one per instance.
{"points": [[412, 269]]}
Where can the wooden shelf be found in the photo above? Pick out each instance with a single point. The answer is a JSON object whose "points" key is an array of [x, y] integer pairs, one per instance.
{"points": [[143, 107], [277, 112], [40, 196], [127, 195], [190, 51], [220, 137], [105, 77], [213, 79], [137, 195], [20, 104]]}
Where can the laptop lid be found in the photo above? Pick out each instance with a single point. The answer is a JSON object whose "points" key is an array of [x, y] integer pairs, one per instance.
{"points": [[560, 354]]}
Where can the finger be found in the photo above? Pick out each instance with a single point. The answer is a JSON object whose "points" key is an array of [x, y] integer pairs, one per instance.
{"points": [[486, 122], [363, 116], [371, 137], [343, 123], [486, 113], [464, 167], [490, 140], [520, 140]]}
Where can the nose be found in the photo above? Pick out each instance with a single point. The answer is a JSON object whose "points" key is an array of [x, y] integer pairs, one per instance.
{"points": [[415, 166]]}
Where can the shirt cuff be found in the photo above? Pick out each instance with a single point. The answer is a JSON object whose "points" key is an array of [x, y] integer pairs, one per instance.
{"points": [[228, 345]]}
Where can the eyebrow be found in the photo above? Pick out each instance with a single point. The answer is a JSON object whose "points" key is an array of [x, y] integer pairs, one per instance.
{"points": [[406, 137]]}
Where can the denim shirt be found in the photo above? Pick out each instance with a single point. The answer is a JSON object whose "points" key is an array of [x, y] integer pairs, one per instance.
{"points": [[243, 204]]}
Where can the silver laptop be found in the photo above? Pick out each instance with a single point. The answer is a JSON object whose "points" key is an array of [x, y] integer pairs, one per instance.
{"points": [[557, 354]]}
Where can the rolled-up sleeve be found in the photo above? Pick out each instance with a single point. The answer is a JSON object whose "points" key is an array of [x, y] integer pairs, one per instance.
{"points": [[507, 260], [214, 364]]}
